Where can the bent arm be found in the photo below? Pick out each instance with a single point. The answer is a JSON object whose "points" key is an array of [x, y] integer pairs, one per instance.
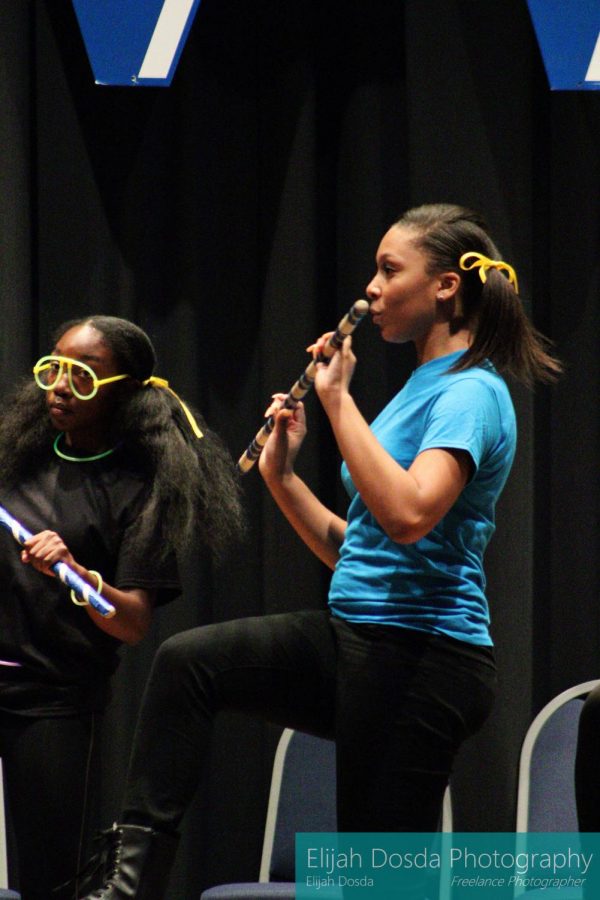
{"points": [[134, 606], [407, 503], [321, 530]]}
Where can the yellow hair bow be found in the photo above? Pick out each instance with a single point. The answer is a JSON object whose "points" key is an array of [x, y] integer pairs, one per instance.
{"points": [[483, 263], [155, 381]]}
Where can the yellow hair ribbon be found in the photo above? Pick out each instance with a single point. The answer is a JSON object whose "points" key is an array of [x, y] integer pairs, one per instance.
{"points": [[483, 263], [155, 381]]}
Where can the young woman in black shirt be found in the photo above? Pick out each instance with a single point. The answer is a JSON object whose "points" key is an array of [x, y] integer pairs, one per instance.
{"points": [[110, 472]]}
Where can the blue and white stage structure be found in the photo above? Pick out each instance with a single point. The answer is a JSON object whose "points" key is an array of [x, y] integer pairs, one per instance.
{"points": [[135, 43], [568, 32]]}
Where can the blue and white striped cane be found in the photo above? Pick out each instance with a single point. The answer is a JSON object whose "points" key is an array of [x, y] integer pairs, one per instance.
{"points": [[62, 570]]}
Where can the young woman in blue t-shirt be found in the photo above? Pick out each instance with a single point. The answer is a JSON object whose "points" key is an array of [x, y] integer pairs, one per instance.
{"points": [[399, 670]]}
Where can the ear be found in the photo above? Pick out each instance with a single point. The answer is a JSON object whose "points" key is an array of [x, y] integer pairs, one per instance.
{"points": [[448, 286]]}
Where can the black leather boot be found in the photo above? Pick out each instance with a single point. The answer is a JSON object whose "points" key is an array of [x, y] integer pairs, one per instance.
{"points": [[138, 864]]}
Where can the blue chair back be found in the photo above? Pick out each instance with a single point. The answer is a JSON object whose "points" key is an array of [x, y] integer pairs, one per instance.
{"points": [[546, 790], [552, 772], [303, 798]]}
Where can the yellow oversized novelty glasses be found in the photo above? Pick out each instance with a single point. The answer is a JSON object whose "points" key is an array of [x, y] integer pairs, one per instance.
{"points": [[83, 381]]}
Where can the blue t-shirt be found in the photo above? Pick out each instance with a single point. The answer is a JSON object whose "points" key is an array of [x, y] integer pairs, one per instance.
{"points": [[436, 584]]}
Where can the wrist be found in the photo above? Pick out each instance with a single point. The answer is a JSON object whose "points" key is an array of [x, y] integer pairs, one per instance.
{"points": [[94, 579], [276, 470], [335, 403], [279, 479]]}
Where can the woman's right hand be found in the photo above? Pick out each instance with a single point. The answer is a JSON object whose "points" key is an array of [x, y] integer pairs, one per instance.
{"points": [[45, 549], [279, 453]]}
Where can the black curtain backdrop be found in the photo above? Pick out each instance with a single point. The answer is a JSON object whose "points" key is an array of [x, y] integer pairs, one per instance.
{"points": [[235, 216]]}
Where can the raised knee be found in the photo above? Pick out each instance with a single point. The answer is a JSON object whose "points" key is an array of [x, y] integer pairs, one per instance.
{"points": [[192, 646]]}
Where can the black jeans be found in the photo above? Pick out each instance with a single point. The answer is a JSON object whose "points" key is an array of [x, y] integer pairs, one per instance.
{"points": [[398, 703], [587, 769], [50, 765]]}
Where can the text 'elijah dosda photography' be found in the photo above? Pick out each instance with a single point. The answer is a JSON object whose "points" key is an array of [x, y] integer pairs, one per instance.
{"points": [[439, 866]]}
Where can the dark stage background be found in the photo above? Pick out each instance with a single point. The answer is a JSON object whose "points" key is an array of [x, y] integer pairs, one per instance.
{"points": [[235, 216]]}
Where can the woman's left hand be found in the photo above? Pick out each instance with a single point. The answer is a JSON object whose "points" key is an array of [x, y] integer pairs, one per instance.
{"points": [[44, 549]]}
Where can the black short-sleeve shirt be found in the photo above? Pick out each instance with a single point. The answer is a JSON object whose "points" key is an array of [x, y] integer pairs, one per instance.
{"points": [[65, 661]]}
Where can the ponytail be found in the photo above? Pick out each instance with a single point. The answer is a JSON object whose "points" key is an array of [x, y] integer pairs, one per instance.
{"points": [[503, 333], [450, 236]]}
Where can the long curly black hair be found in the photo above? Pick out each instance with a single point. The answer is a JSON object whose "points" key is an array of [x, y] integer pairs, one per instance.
{"points": [[194, 487]]}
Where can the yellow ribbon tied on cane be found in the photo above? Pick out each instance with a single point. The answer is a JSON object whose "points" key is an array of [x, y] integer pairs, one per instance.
{"points": [[483, 263], [155, 381]]}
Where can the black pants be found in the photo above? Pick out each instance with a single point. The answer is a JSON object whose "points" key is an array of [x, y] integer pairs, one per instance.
{"points": [[48, 765], [399, 703], [587, 764]]}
